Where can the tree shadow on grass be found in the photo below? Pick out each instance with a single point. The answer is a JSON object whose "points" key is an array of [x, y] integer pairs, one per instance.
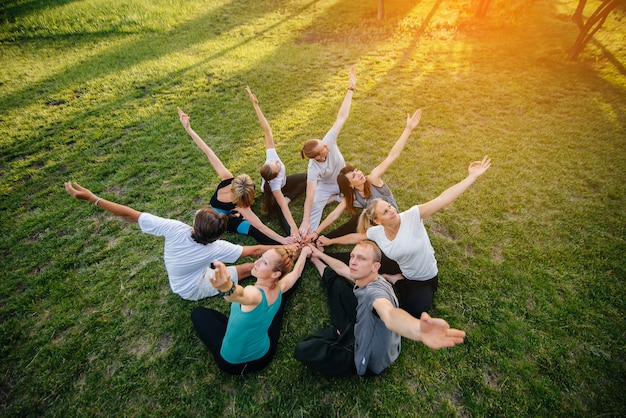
{"points": [[13, 9]]}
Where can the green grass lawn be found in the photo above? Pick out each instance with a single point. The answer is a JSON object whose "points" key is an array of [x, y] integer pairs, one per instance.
{"points": [[531, 258]]}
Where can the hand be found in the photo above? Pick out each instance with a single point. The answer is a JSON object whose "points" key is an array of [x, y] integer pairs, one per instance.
{"points": [[323, 241], [79, 192], [252, 96], [184, 118], [413, 121], [306, 250], [477, 168], [221, 277], [315, 251], [312, 236], [352, 77], [305, 228], [436, 333]]}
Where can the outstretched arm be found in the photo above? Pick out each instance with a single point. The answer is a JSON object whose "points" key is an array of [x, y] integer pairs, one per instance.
{"points": [[344, 239], [476, 169], [284, 208], [339, 266], [254, 220], [411, 123], [219, 168], [269, 139], [433, 332], [332, 217], [305, 226], [81, 193], [344, 110], [292, 277]]}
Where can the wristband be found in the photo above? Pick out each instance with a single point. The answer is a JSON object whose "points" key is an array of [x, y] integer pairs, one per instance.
{"points": [[97, 200], [230, 292]]}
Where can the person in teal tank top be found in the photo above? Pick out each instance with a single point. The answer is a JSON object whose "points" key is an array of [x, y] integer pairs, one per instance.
{"points": [[246, 341]]}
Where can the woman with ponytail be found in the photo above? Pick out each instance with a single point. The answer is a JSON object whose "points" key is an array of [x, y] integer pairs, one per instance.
{"points": [[357, 189], [246, 342], [278, 188], [234, 196], [402, 237]]}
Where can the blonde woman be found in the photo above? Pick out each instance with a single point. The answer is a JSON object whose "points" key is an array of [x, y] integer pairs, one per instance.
{"points": [[234, 195], [246, 341], [403, 238]]}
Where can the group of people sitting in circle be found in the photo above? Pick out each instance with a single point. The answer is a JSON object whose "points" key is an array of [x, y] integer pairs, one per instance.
{"points": [[379, 292]]}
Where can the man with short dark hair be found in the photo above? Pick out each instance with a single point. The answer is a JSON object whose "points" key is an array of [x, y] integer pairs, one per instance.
{"points": [[363, 303], [188, 251]]}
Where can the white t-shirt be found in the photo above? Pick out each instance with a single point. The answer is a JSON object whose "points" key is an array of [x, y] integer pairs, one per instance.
{"points": [[186, 260], [411, 248], [278, 182], [327, 171]]}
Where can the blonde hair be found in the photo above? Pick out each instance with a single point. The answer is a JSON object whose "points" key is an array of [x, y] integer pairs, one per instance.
{"points": [[243, 190], [367, 218], [309, 150], [376, 253]]}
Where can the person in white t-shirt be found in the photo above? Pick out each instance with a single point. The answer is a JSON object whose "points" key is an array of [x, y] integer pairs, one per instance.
{"points": [[278, 188], [325, 163], [403, 238], [188, 250]]}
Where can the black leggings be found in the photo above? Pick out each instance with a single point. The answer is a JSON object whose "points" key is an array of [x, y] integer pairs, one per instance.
{"points": [[210, 325], [416, 296]]}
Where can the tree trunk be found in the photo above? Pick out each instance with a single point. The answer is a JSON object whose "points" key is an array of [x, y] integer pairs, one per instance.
{"points": [[593, 24], [577, 17], [381, 9]]}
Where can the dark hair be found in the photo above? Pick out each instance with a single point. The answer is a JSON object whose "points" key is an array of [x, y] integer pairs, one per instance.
{"points": [[208, 225], [347, 191], [308, 150], [268, 199]]}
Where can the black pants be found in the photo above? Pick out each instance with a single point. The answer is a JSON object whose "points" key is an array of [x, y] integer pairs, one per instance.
{"points": [[416, 296], [210, 325]]}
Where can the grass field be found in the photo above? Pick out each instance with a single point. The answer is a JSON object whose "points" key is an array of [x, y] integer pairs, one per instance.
{"points": [[531, 258]]}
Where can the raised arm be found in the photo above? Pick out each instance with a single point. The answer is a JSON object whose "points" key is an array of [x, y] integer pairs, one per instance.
{"points": [[219, 168], [476, 169], [79, 192], [411, 123], [344, 110], [433, 332], [254, 220], [292, 277], [269, 139]]}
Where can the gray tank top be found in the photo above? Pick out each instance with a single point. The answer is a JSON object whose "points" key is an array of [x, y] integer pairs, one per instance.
{"points": [[383, 192]]}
